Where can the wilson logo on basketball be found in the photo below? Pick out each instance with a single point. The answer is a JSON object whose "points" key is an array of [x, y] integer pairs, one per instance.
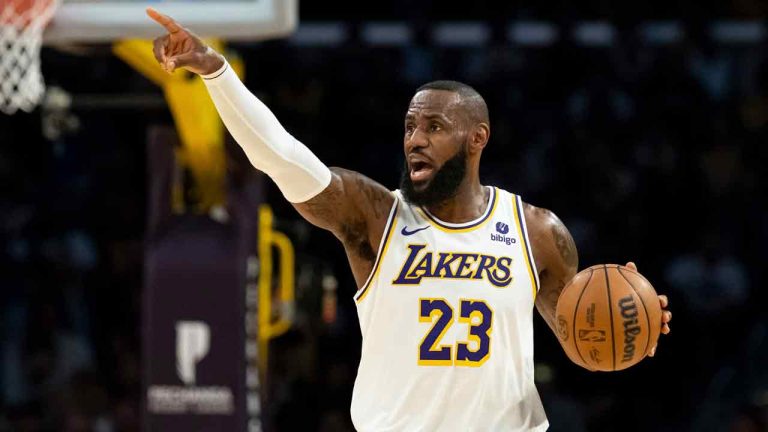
{"points": [[631, 329]]}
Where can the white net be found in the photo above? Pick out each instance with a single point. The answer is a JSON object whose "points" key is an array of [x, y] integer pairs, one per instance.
{"points": [[21, 34]]}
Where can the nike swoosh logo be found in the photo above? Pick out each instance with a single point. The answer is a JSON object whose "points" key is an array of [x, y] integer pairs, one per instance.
{"points": [[405, 231]]}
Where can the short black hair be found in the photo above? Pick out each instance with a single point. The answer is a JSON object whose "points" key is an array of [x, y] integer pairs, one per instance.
{"points": [[471, 98]]}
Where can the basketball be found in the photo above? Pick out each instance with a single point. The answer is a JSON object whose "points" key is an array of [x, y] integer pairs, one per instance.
{"points": [[608, 318]]}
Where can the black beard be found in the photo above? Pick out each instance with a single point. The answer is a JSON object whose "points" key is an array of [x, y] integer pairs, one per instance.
{"points": [[443, 185]]}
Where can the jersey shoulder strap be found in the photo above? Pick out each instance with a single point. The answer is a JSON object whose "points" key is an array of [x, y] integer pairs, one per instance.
{"points": [[383, 246]]}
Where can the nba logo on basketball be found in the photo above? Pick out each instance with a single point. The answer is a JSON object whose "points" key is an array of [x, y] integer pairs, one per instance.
{"points": [[502, 229]]}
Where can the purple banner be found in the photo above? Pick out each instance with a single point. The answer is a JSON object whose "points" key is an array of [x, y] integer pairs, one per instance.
{"points": [[194, 323]]}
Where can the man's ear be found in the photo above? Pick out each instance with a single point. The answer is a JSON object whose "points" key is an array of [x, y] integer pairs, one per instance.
{"points": [[480, 134]]}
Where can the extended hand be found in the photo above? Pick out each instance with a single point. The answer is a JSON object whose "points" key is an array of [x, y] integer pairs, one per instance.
{"points": [[666, 316], [180, 48]]}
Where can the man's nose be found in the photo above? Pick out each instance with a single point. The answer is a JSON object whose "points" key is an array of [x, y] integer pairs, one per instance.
{"points": [[418, 139]]}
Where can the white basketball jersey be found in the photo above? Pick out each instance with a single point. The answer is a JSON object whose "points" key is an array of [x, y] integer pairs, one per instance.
{"points": [[447, 323]]}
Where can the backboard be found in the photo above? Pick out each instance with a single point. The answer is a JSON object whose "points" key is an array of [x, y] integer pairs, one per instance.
{"points": [[101, 21]]}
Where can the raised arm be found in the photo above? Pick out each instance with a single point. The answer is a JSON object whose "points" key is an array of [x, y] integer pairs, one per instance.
{"points": [[352, 206]]}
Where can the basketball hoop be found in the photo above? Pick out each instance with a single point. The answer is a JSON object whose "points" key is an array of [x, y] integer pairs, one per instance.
{"points": [[21, 34]]}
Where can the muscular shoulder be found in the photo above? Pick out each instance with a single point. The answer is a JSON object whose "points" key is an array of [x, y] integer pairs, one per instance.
{"points": [[349, 197], [373, 199], [354, 208], [552, 244]]}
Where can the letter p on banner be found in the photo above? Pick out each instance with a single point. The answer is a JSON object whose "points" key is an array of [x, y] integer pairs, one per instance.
{"points": [[192, 343]]}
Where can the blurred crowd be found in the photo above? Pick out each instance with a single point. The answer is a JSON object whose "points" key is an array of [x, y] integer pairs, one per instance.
{"points": [[556, 10], [653, 154]]}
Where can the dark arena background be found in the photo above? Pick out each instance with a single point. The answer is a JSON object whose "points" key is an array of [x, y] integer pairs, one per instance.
{"points": [[643, 125]]}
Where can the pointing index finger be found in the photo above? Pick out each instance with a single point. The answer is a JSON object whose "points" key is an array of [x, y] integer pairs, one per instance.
{"points": [[164, 20]]}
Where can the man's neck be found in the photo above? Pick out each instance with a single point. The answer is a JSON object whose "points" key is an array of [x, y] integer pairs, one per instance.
{"points": [[468, 204]]}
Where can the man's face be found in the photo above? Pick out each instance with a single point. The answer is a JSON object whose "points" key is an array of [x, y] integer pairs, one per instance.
{"points": [[435, 143]]}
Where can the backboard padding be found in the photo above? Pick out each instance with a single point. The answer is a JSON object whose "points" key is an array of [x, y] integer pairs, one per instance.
{"points": [[105, 21]]}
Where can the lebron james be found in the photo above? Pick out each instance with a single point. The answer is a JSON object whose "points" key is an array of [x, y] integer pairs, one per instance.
{"points": [[448, 269]]}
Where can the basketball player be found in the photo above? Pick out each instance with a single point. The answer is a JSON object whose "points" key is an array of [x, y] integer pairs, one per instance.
{"points": [[448, 269]]}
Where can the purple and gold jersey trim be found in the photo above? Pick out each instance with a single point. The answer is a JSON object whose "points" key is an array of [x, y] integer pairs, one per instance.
{"points": [[385, 241], [466, 227], [517, 208]]}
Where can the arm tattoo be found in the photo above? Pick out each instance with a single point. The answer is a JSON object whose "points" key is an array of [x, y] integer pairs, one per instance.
{"points": [[325, 205], [375, 199], [547, 303], [552, 295], [351, 207], [355, 236], [565, 244], [559, 259]]}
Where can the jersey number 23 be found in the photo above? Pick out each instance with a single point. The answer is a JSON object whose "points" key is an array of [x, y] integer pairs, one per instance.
{"points": [[476, 314]]}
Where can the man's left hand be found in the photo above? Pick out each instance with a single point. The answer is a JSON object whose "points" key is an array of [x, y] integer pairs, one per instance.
{"points": [[666, 315]]}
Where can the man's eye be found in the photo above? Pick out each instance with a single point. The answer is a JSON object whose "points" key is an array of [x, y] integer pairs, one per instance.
{"points": [[435, 127], [409, 129]]}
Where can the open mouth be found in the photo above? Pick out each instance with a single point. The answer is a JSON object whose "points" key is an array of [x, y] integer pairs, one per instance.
{"points": [[420, 171]]}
